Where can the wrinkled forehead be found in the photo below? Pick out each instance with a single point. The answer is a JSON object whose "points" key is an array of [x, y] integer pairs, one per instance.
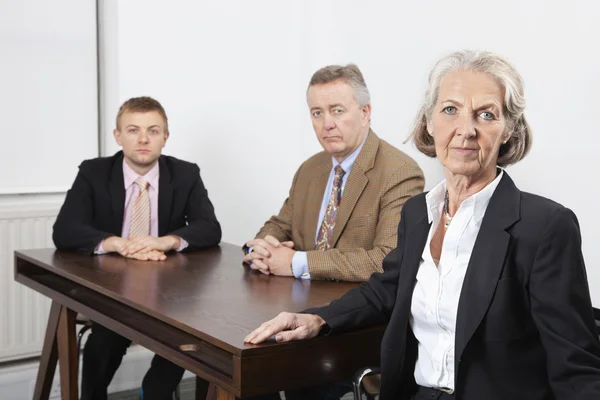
{"points": [[470, 87], [325, 95]]}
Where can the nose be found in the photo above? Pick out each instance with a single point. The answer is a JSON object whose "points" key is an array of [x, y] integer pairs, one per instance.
{"points": [[142, 136], [328, 122], [466, 127]]}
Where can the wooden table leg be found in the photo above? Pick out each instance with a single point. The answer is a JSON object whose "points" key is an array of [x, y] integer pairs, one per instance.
{"points": [[222, 394], [67, 355], [202, 387], [47, 368]]}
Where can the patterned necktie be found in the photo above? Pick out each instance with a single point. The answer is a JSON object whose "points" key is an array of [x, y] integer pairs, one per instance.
{"points": [[140, 217], [325, 236]]}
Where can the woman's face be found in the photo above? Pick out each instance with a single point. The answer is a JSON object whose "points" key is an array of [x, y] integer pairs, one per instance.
{"points": [[468, 124]]}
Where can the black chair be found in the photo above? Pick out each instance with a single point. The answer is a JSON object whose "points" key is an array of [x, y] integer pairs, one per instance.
{"points": [[358, 381]]}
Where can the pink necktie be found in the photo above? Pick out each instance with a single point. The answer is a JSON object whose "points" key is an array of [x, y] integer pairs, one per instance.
{"points": [[140, 217]]}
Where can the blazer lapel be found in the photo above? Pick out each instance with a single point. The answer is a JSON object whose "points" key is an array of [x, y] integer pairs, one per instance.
{"points": [[317, 190], [486, 263], [116, 188], [356, 183], [165, 197]]}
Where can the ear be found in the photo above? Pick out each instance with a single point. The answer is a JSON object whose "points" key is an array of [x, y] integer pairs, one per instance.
{"points": [[166, 137], [429, 127], [506, 136], [117, 135], [366, 112]]}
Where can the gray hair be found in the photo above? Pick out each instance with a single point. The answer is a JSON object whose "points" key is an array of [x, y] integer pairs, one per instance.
{"points": [[519, 143], [350, 74]]}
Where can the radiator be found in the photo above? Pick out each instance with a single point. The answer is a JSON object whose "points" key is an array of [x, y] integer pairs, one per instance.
{"points": [[23, 312]]}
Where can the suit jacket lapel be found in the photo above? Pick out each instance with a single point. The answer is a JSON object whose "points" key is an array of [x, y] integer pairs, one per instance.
{"points": [[486, 263], [356, 183], [165, 197], [116, 188], [317, 189]]}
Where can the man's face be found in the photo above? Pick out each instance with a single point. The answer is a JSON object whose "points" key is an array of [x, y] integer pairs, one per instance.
{"points": [[339, 122], [142, 136]]}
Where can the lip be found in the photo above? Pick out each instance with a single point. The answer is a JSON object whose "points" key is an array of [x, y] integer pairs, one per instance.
{"points": [[464, 149], [143, 151]]}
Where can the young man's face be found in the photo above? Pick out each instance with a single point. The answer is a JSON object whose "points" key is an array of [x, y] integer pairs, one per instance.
{"points": [[142, 136]]}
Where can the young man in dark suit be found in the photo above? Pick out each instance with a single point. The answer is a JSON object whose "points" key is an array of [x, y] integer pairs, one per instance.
{"points": [[140, 204]]}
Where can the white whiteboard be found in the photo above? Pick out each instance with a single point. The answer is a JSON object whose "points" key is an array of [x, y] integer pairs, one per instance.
{"points": [[48, 93]]}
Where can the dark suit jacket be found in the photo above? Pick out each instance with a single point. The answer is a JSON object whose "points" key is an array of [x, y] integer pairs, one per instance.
{"points": [[525, 327], [93, 209]]}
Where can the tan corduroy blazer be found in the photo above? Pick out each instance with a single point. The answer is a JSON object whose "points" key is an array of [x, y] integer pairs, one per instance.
{"points": [[381, 179]]}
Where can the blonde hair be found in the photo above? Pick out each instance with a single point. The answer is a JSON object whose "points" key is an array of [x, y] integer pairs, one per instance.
{"points": [[142, 104]]}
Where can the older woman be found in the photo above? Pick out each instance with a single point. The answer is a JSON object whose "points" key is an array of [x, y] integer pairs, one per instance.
{"points": [[486, 295]]}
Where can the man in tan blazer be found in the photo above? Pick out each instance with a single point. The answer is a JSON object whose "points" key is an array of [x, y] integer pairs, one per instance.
{"points": [[341, 217]]}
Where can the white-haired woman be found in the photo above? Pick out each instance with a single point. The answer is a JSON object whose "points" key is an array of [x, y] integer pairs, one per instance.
{"points": [[486, 295]]}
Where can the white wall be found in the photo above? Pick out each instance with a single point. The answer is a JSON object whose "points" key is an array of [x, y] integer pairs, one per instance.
{"points": [[232, 76]]}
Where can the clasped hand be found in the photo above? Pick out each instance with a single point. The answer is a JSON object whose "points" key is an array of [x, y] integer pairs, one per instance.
{"points": [[146, 248], [270, 256]]}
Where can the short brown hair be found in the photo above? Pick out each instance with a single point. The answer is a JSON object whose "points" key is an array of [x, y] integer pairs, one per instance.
{"points": [[142, 104], [350, 74], [519, 142]]}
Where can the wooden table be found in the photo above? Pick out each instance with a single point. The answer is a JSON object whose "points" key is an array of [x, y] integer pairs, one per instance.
{"points": [[195, 310]]}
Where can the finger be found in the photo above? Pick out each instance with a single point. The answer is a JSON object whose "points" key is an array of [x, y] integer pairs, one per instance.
{"points": [[131, 247], [270, 328], [138, 256], [272, 241], [256, 242], [263, 252], [288, 336], [151, 255], [289, 244], [263, 332], [261, 266]]}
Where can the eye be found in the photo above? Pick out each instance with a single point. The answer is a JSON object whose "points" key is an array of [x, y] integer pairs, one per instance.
{"points": [[487, 115], [337, 111], [450, 110], [316, 113], [154, 131], [132, 130]]}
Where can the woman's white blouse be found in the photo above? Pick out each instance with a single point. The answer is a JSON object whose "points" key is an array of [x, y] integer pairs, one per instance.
{"points": [[437, 289]]}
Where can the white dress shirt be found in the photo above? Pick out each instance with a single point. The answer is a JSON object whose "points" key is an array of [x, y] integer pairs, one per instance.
{"points": [[437, 290]]}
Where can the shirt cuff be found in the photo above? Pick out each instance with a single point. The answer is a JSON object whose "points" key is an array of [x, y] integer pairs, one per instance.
{"points": [[100, 248], [300, 265], [182, 244]]}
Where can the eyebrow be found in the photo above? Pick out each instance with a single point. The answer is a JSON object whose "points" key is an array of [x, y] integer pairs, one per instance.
{"points": [[132, 126], [490, 104]]}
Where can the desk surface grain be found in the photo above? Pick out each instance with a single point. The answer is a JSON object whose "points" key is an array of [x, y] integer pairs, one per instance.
{"points": [[208, 293]]}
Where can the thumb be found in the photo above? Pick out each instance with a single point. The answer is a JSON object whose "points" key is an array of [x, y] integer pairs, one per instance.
{"points": [[289, 244], [285, 336]]}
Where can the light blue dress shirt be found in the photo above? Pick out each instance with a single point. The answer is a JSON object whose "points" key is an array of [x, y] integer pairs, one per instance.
{"points": [[300, 261]]}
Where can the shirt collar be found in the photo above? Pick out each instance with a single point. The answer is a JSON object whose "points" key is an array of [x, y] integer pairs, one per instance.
{"points": [[129, 175], [349, 161], [479, 201]]}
